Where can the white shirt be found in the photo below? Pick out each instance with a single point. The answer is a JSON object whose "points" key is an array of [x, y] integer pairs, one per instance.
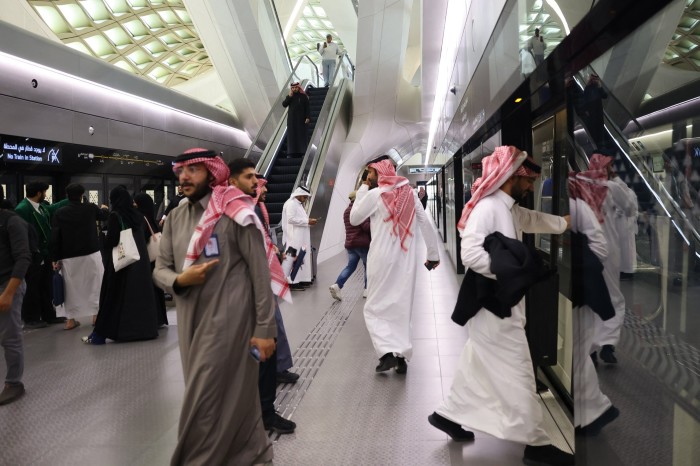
{"points": [[330, 51]]}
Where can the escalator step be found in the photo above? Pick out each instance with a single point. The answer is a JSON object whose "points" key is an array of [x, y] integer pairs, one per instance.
{"points": [[288, 178], [285, 171], [290, 162], [277, 198], [280, 188], [275, 219], [274, 207]]}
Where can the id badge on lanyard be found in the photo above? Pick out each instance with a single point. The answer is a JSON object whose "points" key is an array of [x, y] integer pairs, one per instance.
{"points": [[212, 247]]}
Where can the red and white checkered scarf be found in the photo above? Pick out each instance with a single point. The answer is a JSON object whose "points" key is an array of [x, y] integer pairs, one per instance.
{"points": [[591, 187], [239, 207], [505, 162], [398, 199], [600, 162]]}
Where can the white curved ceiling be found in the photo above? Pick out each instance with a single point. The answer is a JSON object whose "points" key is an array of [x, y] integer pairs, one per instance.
{"points": [[151, 38], [311, 29]]}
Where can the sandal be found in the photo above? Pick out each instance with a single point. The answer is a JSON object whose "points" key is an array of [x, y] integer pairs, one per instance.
{"points": [[75, 325]]}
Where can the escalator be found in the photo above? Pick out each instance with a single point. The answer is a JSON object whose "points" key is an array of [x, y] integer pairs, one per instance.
{"points": [[330, 110], [284, 169]]}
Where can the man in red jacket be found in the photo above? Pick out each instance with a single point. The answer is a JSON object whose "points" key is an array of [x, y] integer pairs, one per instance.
{"points": [[357, 240]]}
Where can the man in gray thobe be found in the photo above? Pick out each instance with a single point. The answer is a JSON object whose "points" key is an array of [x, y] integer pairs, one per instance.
{"points": [[220, 278]]}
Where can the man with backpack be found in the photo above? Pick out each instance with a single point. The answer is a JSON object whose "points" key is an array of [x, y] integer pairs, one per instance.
{"points": [[14, 262]]}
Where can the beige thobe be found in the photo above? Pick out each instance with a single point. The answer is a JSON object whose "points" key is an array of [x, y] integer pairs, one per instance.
{"points": [[221, 421]]}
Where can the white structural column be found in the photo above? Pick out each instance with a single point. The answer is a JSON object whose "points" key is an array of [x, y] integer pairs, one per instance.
{"points": [[246, 49]]}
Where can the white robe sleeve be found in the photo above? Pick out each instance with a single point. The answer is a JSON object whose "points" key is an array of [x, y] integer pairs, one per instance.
{"points": [[427, 231], [296, 215], [585, 221], [620, 198], [366, 203], [473, 254], [531, 221]]}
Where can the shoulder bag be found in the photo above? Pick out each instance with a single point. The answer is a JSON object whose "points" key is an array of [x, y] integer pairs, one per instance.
{"points": [[125, 253]]}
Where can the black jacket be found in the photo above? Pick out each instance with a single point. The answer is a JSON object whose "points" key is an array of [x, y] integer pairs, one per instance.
{"points": [[74, 230], [588, 286], [517, 267]]}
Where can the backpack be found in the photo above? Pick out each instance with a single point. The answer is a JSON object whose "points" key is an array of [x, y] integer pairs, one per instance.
{"points": [[33, 236]]}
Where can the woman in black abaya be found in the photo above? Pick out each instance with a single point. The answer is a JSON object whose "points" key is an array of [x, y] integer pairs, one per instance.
{"points": [[127, 302], [145, 205]]}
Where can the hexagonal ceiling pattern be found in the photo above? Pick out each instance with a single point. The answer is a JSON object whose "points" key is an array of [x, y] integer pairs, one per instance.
{"points": [[684, 49], [313, 27], [151, 38], [551, 29]]}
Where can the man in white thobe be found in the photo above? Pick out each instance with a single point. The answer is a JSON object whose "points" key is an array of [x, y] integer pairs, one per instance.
{"points": [[493, 390], [618, 206], [592, 409], [296, 233], [626, 223], [393, 209]]}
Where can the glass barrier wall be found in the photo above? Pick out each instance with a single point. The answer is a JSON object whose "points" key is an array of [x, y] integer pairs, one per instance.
{"points": [[644, 362]]}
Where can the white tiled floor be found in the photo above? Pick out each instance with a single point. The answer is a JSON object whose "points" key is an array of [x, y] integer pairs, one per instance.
{"points": [[119, 404]]}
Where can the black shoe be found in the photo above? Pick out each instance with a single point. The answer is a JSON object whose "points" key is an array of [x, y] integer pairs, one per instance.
{"points": [[540, 386], [401, 366], [11, 392], [626, 276], [386, 362], [607, 354], [57, 320], [277, 423], [287, 377], [34, 325], [452, 429], [306, 284], [594, 358], [595, 427], [547, 455], [297, 287]]}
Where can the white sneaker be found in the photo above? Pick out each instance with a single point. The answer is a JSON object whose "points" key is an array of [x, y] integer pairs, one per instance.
{"points": [[335, 292], [364, 293]]}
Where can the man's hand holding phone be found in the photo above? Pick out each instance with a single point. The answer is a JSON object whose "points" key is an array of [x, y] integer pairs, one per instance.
{"points": [[430, 265]]}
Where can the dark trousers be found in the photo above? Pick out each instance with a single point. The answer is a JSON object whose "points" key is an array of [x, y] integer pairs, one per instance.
{"points": [[267, 386], [37, 301]]}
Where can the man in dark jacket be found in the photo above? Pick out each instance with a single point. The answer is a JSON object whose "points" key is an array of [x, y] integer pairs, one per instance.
{"points": [[298, 116], [14, 262], [37, 310], [75, 247], [357, 239]]}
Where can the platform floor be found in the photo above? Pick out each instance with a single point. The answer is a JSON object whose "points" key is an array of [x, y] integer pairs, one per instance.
{"points": [[119, 404]]}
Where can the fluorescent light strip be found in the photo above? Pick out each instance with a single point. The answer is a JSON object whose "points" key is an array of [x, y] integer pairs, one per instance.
{"points": [[555, 6], [455, 21], [137, 99], [292, 17]]}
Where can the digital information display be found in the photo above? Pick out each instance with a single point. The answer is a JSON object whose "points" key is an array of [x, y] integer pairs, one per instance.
{"points": [[27, 153]]}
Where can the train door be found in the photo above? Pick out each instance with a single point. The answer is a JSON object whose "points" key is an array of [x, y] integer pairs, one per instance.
{"points": [[94, 188], [550, 149], [128, 181], [157, 189]]}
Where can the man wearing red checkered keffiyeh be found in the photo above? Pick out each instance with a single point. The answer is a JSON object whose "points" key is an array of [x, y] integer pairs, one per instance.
{"points": [[394, 211], [620, 204], [494, 385], [213, 260]]}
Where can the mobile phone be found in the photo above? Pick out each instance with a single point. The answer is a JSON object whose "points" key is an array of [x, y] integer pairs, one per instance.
{"points": [[430, 265], [364, 175], [255, 353]]}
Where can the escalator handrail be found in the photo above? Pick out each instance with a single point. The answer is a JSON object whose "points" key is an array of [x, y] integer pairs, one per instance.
{"points": [[278, 103], [321, 123]]}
